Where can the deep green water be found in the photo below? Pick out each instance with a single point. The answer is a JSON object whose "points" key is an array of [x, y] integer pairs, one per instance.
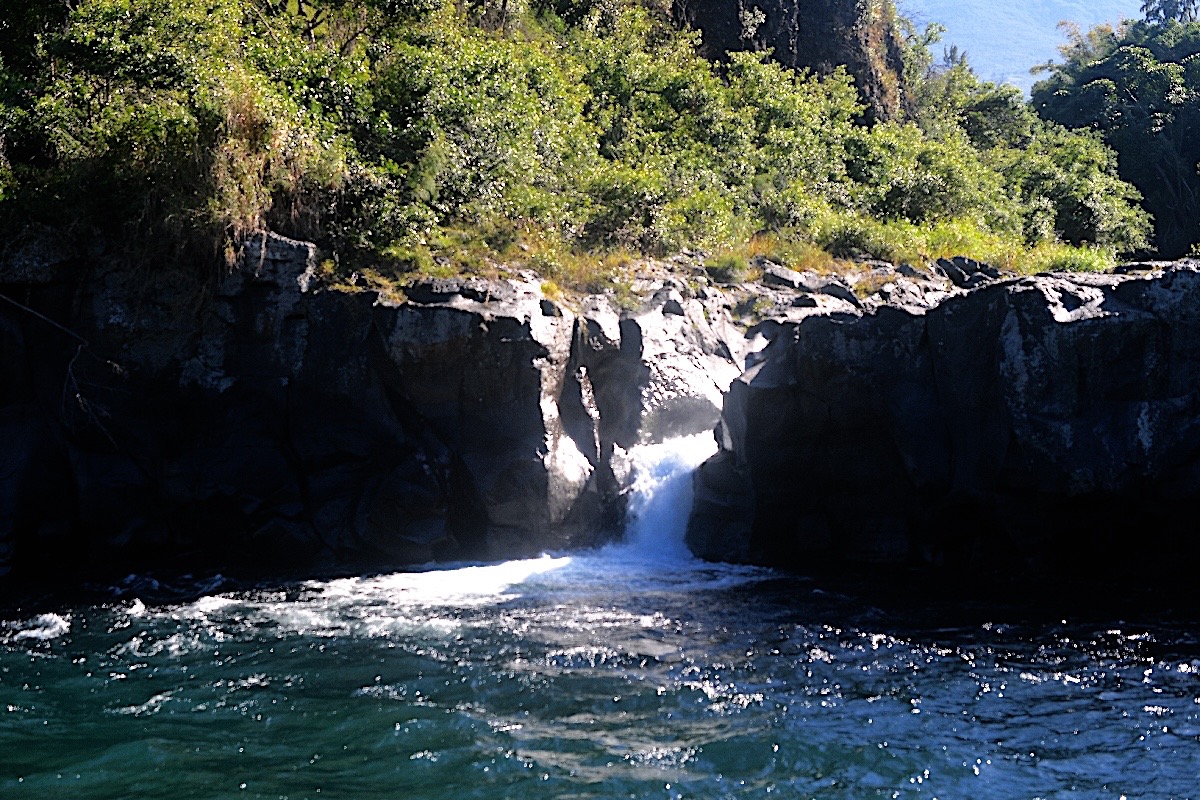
{"points": [[630, 672]]}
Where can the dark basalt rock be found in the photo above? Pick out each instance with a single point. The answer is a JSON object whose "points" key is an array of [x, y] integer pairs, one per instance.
{"points": [[153, 420], [967, 273], [818, 35], [1036, 426]]}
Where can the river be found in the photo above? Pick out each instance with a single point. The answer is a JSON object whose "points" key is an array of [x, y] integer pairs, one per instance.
{"points": [[632, 671]]}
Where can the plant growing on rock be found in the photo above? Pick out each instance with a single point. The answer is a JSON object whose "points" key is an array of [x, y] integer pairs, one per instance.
{"points": [[405, 134]]}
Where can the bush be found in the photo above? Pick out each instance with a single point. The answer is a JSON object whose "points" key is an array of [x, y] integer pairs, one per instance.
{"points": [[393, 132], [727, 268], [153, 120]]}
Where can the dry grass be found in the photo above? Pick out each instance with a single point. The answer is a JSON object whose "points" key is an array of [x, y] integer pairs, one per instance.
{"points": [[869, 283], [491, 252], [833, 245]]}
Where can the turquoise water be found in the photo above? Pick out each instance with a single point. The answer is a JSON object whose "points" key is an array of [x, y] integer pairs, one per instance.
{"points": [[629, 672]]}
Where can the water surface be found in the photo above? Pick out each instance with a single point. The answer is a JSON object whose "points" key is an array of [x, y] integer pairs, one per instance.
{"points": [[634, 671]]}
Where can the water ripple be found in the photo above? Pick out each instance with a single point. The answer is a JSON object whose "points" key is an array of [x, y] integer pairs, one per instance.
{"points": [[595, 675]]}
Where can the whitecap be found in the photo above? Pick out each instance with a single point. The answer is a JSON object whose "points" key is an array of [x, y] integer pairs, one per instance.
{"points": [[41, 628]]}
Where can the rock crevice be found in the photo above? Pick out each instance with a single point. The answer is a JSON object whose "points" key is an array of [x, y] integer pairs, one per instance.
{"points": [[270, 423]]}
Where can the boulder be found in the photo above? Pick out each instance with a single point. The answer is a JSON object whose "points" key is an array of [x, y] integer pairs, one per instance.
{"points": [[692, 353], [966, 273], [1046, 425]]}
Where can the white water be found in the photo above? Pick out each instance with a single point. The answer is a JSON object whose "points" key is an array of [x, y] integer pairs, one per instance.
{"points": [[631, 671], [661, 497], [651, 558], [41, 628]]}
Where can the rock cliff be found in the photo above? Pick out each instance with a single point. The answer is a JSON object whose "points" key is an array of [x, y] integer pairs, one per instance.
{"points": [[264, 422], [1040, 426], [819, 35], [151, 419]]}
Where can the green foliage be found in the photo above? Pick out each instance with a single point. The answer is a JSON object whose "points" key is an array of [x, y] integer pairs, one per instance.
{"points": [[1170, 10], [1048, 184], [1138, 88], [801, 132], [903, 174], [490, 126], [1068, 190], [153, 119], [427, 136], [1058, 258]]}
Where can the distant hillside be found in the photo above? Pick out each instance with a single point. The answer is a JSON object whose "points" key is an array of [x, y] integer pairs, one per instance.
{"points": [[1003, 40]]}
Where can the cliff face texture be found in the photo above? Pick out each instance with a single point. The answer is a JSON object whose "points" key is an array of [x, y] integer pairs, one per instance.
{"points": [[1044, 426], [266, 423], [811, 34]]}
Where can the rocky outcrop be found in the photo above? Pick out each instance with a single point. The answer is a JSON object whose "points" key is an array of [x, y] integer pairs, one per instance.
{"points": [[264, 422], [1046, 425], [819, 35]]}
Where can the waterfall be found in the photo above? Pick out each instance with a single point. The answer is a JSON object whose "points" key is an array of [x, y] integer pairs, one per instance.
{"points": [[660, 499], [651, 558]]}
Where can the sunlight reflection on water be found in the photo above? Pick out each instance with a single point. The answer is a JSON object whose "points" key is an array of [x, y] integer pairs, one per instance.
{"points": [[630, 671]]}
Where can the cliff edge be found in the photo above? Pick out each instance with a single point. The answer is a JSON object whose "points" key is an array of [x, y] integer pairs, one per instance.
{"points": [[1044, 426], [266, 422]]}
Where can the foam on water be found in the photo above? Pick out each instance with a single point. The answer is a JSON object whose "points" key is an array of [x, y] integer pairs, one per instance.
{"points": [[651, 557], [632, 670], [41, 628]]}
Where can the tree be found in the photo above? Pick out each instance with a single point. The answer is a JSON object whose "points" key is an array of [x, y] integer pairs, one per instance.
{"points": [[1141, 93], [1164, 11], [387, 130]]}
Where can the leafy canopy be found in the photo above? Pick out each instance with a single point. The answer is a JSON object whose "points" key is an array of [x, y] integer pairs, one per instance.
{"points": [[383, 129], [1138, 88]]}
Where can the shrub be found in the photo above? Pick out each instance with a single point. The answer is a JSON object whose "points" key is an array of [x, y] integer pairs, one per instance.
{"points": [[416, 134], [727, 268]]}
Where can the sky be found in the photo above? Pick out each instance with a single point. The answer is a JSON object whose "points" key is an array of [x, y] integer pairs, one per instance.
{"points": [[1003, 40]]}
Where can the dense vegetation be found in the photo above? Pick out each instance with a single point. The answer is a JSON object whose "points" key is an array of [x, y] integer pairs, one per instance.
{"points": [[1005, 39], [425, 134], [1138, 86]]}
